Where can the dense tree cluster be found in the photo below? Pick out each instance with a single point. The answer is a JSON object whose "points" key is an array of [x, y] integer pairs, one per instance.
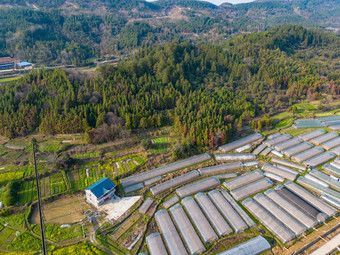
{"points": [[207, 92]]}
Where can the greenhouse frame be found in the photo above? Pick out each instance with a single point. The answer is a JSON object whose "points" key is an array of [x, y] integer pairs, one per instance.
{"points": [[277, 140], [331, 169], [240, 142], [179, 180], [326, 178], [213, 215], [313, 134], [251, 189], [266, 151], [165, 169], [331, 201], [199, 186], [146, 205], [331, 144], [324, 138], [297, 149], [323, 207], [238, 209], [152, 181], [286, 168], [269, 221], [170, 234], [300, 203], [155, 244], [299, 215], [319, 159], [213, 170], [187, 231], [260, 148], [278, 171], [286, 163], [280, 214], [226, 176], [234, 157], [317, 187], [274, 177], [254, 246], [243, 180], [302, 156], [274, 135], [287, 144], [201, 223], [170, 202], [235, 220], [134, 187]]}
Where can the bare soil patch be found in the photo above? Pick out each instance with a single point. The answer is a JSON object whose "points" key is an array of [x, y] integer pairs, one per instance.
{"points": [[68, 209]]}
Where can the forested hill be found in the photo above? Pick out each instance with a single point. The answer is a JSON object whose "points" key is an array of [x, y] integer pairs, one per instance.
{"points": [[207, 92], [80, 32]]}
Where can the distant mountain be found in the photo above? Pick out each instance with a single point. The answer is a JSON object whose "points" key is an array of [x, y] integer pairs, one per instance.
{"points": [[80, 31]]}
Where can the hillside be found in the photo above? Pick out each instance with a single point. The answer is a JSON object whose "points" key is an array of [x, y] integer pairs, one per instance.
{"points": [[79, 32], [175, 83]]}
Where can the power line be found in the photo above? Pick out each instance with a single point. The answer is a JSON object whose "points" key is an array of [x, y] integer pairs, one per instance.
{"points": [[34, 144]]}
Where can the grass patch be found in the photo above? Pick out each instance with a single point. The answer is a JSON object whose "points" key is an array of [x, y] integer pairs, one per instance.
{"points": [[25, 242], [55, 233], [80, 249], [14, 221]]}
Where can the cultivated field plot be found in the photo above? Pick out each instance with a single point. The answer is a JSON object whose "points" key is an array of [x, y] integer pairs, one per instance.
{"points": [[66, 210], [49, 146], [15, 220], [6, 237], [87, 155], [16, 145], [16, 174], [160, 140], [79, 180], [55, 233], [115, 167], [52, 185]]}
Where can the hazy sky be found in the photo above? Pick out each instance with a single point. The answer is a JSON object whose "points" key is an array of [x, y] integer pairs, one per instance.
{"points": [[218, 2]]}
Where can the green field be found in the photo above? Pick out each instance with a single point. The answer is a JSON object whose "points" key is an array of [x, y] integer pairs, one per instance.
{"points": [[57, 184], [10, 79], [284, 123], [55, 233], [160, 140], [25, 242], [79, 180], [5, 237], [87, 155], [14, 220], [159, 149]]}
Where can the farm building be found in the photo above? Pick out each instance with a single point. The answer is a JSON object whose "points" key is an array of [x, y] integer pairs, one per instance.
{"points": [[7, 63], [100, 191], [24, 65]]}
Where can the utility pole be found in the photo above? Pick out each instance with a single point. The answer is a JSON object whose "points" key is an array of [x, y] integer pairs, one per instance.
{"points": [[34, 144]]}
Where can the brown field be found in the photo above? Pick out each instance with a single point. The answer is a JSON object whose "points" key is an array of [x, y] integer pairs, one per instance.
{"points": [[64, 210]]}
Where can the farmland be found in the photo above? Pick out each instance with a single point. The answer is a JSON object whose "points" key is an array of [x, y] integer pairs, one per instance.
{"points": [[62, 188]]}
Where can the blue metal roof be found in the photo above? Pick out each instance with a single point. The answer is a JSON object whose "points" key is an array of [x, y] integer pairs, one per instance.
{"points": [[24, 64], [8, 65], [101, 187]]}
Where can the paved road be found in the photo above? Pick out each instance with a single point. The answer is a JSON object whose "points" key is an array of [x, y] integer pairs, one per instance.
{"points": [[329, 246]]}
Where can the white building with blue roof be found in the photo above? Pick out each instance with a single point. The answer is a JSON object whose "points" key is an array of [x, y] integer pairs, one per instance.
{"points": [[100, 191]]}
